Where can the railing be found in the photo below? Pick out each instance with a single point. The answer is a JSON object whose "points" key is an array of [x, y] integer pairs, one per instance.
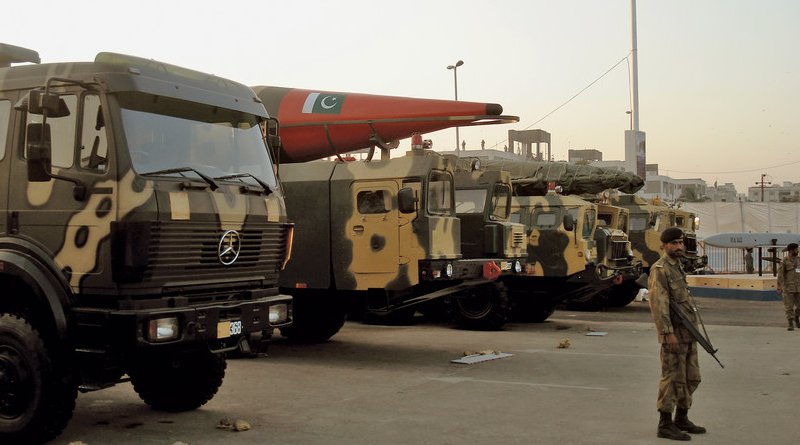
{"points": [[731, 260]]}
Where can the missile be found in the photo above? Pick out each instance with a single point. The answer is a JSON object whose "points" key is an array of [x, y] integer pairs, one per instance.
{"points": [[316, 124]]}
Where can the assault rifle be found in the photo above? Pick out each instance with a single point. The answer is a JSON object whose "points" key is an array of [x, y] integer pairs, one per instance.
{"points": [[689, 325]]}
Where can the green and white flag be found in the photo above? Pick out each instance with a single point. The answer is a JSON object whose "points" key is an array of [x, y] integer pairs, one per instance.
{"points": [[324, 103]]}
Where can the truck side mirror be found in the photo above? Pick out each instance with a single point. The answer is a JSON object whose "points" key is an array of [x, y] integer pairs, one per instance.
{"points": [[40, 102], [273, 135], [406, 200], [653, 220], [38, 152], [569, 223]]}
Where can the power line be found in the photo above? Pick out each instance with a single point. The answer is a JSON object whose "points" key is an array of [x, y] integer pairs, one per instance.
{"points": [[571, 98], [731, 171]]}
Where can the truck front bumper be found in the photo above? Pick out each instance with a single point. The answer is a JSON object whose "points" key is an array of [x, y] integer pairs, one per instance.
{"points": [[219, 324]]}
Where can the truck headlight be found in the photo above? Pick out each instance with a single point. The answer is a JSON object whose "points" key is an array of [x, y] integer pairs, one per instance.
{"points": [[517, 267], [163, 329], [448, 270], [278, 313]]}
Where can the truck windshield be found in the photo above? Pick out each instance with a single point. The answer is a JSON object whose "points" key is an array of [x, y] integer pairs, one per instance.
{"points": [[470, 200], [500, 201], [164, 133], [639, 222]]}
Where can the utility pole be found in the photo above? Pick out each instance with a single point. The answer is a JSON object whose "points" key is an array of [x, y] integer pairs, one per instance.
{"points": [[762, 182]]}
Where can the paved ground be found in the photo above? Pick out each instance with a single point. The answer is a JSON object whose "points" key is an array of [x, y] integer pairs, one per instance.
{"points": [[396, 385]]}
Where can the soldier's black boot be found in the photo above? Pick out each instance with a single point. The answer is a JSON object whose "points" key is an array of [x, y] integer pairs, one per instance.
{"points": [[682, 421], [791, 325], [668, 430], [797, 320]]}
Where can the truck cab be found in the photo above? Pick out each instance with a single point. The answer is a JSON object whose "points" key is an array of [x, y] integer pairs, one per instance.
{"points": [[561, 249], [142, 232], [483, 204]]}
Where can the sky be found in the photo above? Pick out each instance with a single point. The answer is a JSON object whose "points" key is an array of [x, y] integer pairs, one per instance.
{"points": [[719, 80]]}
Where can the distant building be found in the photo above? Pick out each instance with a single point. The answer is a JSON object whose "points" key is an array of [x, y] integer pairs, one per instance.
{"points": [[671, 189], [787, 192], [586, 155], [723, 193]]}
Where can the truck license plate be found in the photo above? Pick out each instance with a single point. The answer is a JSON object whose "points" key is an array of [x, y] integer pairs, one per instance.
{"points": [[228, 328]]}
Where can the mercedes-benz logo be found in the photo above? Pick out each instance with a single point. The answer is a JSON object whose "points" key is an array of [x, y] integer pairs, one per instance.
{"points": [[229, 246]]}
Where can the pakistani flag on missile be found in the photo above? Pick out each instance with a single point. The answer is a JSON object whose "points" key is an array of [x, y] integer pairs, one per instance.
{"points": [[323, 103]]}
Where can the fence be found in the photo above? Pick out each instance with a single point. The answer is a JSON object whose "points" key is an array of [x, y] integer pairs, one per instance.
{"points": [[727, 260]]}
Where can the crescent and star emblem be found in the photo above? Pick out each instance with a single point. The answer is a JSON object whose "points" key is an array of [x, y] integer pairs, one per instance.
{"points": [[324, 102]]}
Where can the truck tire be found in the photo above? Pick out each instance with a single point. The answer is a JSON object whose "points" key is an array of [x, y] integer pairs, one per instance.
{"points": [[485, 307], [315, 318], [532, 308], [37, 395], [622, 295], [180, 382]]}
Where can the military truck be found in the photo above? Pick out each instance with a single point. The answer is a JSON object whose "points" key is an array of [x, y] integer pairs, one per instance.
{"points": [[483, 205], [142, 232], [648, 220], [561, 258], [384, 235], [689, 222], [614, 252]]}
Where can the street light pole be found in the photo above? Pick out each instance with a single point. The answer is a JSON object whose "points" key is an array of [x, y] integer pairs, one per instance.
{"points": [[455, 83]]}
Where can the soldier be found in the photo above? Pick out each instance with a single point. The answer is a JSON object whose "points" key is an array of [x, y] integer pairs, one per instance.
{"points": [[789, 285], [748, 261], [680, 370]]}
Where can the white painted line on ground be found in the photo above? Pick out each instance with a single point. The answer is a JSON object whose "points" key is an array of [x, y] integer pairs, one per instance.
{"points": [[562, 351], [505, 382]]}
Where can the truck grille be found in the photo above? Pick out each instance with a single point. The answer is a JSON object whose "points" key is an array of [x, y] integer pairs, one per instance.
{"points": [[185, 253], [519, 238], [619, 250], [690, 244]]}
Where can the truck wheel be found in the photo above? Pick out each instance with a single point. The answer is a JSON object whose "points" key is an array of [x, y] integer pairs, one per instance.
{"points": [[315, 318], [532, 308], [37, 396], [179, 382], [486, 307], [622, 295]]}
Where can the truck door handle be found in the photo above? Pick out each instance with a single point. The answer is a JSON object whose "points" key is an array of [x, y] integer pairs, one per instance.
{"points": [[358, 229]]}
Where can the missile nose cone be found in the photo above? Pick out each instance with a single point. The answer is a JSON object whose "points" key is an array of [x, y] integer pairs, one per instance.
{"points": [[494, 109]]}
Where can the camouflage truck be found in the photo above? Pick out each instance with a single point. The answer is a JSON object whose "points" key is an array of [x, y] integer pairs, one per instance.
{"points": [[561, 264], [614, 252], [649, 219], [383, 234], [142, 232], [483, 205], [689, 222]]}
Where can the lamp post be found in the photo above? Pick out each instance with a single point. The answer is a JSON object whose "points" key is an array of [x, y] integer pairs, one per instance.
{"points": [[455, 83]]}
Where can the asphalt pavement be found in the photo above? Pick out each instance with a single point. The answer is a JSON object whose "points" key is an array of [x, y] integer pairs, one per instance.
{"points": [[376, 384]]}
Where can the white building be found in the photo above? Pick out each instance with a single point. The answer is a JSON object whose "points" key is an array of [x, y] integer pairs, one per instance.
{"points": [[787, 192]]}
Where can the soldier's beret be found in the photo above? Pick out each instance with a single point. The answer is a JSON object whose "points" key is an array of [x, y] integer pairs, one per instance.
{"points": [[671, 234], [791, 246]]}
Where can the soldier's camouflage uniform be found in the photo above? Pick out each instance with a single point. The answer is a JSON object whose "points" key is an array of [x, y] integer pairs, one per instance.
{"points": [[789, 285], [680, 371]]}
